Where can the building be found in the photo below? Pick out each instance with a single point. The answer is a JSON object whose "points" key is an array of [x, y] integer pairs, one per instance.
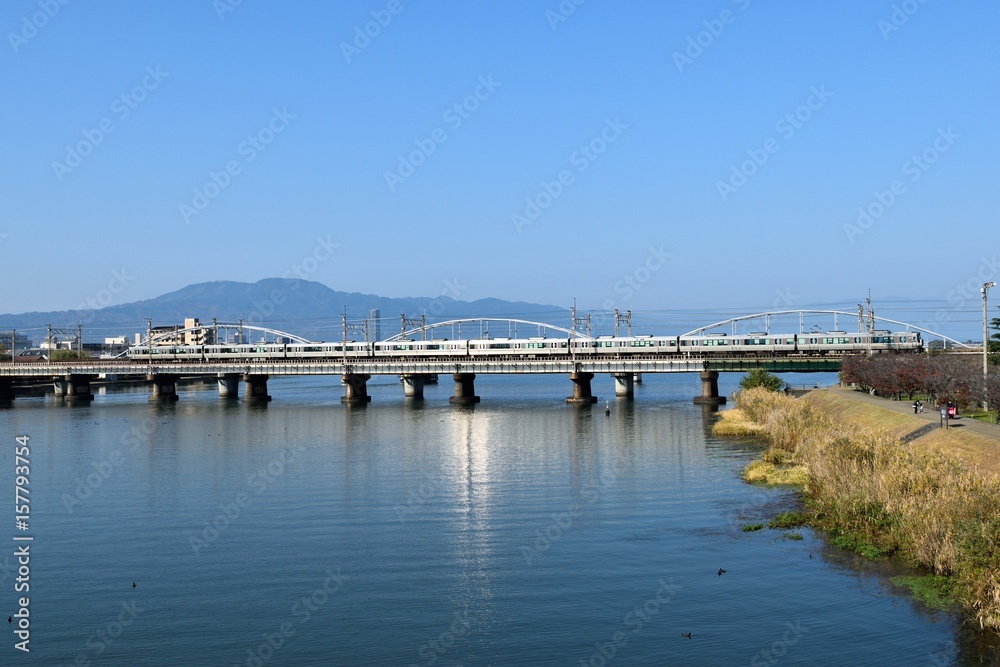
{"points": [[175, 334], [21, 343]]}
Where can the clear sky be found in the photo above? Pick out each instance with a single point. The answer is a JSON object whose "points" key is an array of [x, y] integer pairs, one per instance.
{"points": [[648, 155]]}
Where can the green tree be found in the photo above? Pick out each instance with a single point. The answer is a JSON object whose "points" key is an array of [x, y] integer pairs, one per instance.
{"points": [[758, 377], [3, 353]]}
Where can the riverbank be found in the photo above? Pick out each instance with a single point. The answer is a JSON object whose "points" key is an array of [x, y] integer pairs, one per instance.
{"points": [[883, 482]]}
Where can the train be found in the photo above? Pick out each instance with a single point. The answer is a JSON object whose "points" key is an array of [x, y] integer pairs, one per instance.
{"points": [[831, 343]]}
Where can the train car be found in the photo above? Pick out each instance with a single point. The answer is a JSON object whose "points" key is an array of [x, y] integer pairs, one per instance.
{"points": [[239, 352], [421, 348], [525, 348], [627, 346], [331, 351], [714, 343], [841, 342], [763, 344]]}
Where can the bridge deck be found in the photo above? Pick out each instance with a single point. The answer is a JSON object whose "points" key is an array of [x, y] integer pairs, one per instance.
{"points": [[393, 367]]}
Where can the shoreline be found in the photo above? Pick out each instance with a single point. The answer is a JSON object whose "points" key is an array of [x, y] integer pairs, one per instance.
{"points": [[881, 482]]}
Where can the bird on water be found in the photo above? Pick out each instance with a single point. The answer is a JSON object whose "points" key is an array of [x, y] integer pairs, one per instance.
{"points": [[133, 584], [686, 634], [721, 572]]}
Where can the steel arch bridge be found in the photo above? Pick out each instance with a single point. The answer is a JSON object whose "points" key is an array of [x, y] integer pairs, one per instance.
{"points": [[802, 313], [483, 332], [214, 328]]}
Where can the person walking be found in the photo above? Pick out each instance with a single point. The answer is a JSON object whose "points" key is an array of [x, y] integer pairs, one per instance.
{"points": [[916, 406]]}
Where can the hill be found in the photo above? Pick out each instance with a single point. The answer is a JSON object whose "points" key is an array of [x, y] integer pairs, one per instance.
{"points": [[307, 308]]}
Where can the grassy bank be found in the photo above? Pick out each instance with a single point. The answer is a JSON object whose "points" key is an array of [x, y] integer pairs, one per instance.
{"points": [[878, 496]]}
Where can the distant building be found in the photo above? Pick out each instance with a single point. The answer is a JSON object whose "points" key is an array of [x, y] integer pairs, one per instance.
{"points": [[174, 334], [22, 342]]}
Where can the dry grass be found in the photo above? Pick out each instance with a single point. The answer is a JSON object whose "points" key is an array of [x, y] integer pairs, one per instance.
{"points": [[762, 472], [871, 491], [845, 407], [733, 423]]}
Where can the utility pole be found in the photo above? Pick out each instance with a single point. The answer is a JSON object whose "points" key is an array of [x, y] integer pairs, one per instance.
{"points": [[986, 345]]}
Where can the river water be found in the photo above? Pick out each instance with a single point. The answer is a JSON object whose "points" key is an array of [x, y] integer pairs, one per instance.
{"points": [[520, 531]]}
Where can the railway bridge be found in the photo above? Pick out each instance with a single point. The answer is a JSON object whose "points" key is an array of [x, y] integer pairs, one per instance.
{"points": [[72, 380]]}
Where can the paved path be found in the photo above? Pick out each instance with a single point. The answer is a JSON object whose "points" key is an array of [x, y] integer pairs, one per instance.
{"points": [[931, 415]]}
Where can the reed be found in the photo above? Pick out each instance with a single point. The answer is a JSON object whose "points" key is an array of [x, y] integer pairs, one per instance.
{"points": [[876, 495]]}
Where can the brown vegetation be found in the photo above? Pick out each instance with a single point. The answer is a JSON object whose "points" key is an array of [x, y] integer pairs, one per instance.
{"points": [[877, 496]]}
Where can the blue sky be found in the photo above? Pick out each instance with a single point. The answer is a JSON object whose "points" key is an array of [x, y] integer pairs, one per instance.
{"points": [[647, 155]]}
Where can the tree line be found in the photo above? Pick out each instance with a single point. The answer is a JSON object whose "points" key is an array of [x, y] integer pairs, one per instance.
{"points": [[945, 377]]}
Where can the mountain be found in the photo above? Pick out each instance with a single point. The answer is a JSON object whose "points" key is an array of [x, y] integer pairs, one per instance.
{"points": [[303, 307]]}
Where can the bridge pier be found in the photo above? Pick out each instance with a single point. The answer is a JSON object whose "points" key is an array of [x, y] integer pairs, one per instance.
{"points": [[59, 386], [78, 388], [164, 387], [6, 390], [638, 378], [357, 388], [255, 388], [229, 385], [624, 385], [465, 389], [413, 386], [581, 389], [710, 389]]}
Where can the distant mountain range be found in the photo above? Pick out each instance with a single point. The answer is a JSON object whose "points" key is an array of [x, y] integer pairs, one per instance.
{"points": [[306, 308]]}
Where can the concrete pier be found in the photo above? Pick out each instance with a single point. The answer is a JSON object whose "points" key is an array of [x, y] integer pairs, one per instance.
{"points": [[357, 388], [59, 386], [710, 389], [255, 388], [581, 388], [413, 386], [164, 387], [229, 385], [465, 389], [624, 385], [78, 388], [6, 390]]}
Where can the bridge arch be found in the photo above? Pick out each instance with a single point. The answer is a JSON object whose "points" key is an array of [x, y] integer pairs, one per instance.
{"points": [[226, 326], [801, 313], [481, 321]]}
